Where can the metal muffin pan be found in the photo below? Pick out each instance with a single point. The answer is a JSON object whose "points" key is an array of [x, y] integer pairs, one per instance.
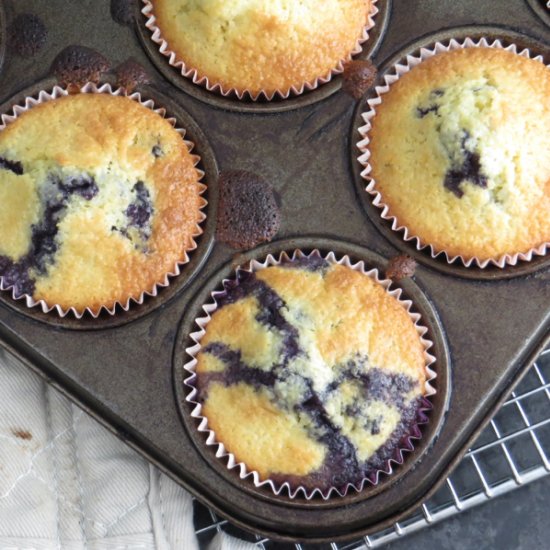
{"points": [[126, 370]]}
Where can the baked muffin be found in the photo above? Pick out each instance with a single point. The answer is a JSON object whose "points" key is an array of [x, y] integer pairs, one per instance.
{"points": [[99, 200], [460, 153], [311, 373], [261, 45]]}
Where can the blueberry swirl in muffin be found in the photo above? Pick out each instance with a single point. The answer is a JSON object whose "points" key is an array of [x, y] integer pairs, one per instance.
{"points": [[311, 373], [99, 199]]}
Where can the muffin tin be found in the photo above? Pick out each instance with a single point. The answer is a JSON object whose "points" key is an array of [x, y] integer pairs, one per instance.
{"points": [[126, 370]]}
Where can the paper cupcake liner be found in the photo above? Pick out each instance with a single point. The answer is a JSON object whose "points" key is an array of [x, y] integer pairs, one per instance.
{"points": [[390, 78], [193, 74], [404, 445], [57, 92]]}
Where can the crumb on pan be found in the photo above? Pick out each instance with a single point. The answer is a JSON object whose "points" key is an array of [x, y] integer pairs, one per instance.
{"points": [[248, 213], [359, 75], [77, 65], [130, 74]]}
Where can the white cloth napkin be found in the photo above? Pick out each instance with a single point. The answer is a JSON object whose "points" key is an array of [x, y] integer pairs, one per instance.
{"points": [[67, 483]]}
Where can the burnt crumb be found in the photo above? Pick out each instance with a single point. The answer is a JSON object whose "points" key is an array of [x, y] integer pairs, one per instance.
{"points": [[22, 434], [12, 165], [130, 74], [359, 75], [248, 213], [122, 12], [78, 65], [400, 267], [27, 35]]}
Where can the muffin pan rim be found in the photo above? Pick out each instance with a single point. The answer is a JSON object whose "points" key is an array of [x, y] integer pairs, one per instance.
{"points": [[539, 7], [411, 291], [3, 36], [215, 99], [372, 212], [197, 256]]}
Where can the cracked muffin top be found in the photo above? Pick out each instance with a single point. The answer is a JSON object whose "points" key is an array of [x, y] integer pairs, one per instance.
{"points": [[460, 152], [99, 199], [261, 45], [321, 382]]}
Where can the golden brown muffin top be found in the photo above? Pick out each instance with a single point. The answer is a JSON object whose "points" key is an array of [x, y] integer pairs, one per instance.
{"points": [[460, 152], [99, 199], [261, 45], [310, 372]]}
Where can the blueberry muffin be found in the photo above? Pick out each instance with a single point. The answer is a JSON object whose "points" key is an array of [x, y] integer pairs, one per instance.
{"points": [[261, 45], [311, 373], [99, 199], [460, 152]]}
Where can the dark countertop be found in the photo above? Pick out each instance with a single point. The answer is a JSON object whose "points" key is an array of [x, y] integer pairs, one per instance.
{"points": [[517, 520]]}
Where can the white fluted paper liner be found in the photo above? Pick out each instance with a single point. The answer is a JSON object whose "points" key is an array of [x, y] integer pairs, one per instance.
{"points": [[300, 491], [57, 92], [193, 74], [390, 78]]}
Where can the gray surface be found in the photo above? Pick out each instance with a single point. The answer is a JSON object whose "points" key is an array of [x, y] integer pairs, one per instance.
{"points": [[518, 520]]}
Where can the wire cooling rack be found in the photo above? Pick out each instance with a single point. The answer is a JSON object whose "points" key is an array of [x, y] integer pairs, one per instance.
{"points": [[512, 451]]}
